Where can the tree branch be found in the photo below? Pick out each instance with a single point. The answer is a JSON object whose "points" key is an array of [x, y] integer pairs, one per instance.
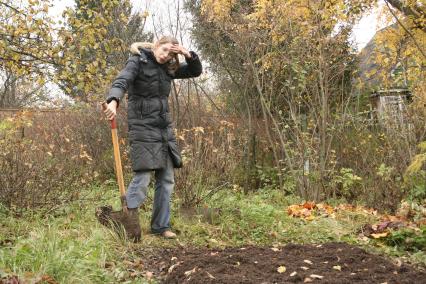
{"points": [[406, 30], [12, 8], [410, 11], [414, 11]]}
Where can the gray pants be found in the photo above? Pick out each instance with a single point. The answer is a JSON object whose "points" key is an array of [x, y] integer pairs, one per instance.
{"points": [[164, 184]]}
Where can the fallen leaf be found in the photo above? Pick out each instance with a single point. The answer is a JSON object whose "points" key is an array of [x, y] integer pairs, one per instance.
{"points": [[306, 212], [380, 235], [173, 267], [327, 208], [309, 205], [294, 210], [281, 269], [10, 279], [398, 262], [210, 276], [189, 272], [337, 267], [310, 218], [316, 276], [48, 279]]}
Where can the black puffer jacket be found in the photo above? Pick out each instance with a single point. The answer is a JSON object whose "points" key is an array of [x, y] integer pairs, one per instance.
{"points": [[148, 86]]}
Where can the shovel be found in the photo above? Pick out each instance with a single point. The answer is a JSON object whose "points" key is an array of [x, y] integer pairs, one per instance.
{"points": [[128, 219]]}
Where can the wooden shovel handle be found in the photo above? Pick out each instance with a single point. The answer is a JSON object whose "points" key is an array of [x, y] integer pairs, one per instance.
{"points": [[117, 159]]}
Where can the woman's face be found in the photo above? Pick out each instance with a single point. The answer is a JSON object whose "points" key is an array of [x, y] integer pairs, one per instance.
{"points": [[162, 53]]}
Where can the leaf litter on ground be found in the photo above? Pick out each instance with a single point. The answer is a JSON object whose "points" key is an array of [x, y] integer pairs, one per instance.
{"points": [[310, 211]]}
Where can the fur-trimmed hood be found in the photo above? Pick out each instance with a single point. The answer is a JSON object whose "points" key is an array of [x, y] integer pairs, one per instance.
{"points": [[136, 46]]}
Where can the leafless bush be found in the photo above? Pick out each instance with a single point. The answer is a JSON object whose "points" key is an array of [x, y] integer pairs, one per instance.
{"points": [[210, 153], [48, 158]]}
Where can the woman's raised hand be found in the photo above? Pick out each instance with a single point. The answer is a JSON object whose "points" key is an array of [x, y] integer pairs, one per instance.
{"points": [[179, 49]]}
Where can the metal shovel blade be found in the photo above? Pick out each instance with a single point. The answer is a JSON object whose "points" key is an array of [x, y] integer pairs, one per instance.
{"points": [[117, 220]]}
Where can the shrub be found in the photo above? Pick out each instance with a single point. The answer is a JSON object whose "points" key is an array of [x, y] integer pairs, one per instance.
{"points": [[48, 157], [408, 239]]}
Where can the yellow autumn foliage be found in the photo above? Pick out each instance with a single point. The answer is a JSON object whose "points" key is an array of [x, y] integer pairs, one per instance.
{"points": [[276, 21], [418, 160], [400, 46], [218, 10], [72, 52]]}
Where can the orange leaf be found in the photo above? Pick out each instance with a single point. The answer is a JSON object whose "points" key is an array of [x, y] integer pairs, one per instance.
{"points": [[294, 210], [309, 205]]}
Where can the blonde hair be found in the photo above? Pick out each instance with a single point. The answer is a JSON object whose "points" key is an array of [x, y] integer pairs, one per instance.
{"points": [[173, 64]]}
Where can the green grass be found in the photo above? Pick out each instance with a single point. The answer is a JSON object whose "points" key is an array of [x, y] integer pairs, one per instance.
{"points": [[71, 247], [262, 219]]}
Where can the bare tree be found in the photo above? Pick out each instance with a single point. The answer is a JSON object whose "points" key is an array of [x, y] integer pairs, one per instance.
{"points": [[17, 91]]}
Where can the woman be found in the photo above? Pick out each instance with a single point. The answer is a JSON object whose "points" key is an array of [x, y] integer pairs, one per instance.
{"points": [[147, 80]]}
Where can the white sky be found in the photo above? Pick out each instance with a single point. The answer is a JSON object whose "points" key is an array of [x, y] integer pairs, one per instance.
{"points": [[362, 34], [364, 31], [162, 13]]}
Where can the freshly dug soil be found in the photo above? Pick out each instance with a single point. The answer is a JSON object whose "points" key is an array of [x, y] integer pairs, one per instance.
{"points": [[326, 263]]}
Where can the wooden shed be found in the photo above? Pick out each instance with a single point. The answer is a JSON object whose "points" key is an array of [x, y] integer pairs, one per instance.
{"points": [[390, 105]]}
